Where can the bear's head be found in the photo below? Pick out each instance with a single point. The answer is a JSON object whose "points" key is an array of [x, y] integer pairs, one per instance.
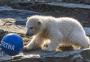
{"points": [[33, 25]]}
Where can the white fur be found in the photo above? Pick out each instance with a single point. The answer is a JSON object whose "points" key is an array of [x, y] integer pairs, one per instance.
{"points": [[63, 30]]}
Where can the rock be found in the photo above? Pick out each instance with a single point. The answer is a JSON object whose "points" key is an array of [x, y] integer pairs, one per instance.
{"points": [[51, 56], [45, 56], [4, 57], [2, 33], [19, 15], [38, 55]]}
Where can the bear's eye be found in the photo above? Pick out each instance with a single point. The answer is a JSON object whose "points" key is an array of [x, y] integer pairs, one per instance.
{"points": [[39, 23], [31, 28]]}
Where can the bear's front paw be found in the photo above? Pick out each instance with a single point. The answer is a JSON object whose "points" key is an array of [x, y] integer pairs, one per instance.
{"points": [[31, 48], [25, 49], [28, 47]]}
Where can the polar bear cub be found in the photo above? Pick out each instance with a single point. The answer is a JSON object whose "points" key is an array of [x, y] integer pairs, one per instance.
{"points": [[63, 30]]}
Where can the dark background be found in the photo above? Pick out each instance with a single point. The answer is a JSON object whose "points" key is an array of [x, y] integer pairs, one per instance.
{"points": [[41, 6]]}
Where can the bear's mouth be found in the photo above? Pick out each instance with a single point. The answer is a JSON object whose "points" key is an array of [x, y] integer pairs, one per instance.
{"points": [[31, 34]]}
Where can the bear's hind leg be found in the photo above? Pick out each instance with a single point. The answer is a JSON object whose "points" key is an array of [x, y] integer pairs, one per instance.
{"points": [[55, 39], [80, 39]]}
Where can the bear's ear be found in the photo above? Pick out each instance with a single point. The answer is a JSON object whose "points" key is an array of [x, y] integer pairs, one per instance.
{"points": [[28, 18], [39, 23]]}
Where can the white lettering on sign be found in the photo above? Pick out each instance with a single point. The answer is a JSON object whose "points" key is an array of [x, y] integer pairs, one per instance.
{"points": [[7, 45]]}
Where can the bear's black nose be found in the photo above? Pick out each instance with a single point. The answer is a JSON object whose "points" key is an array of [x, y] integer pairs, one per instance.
{"points": [[27, 34]]}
